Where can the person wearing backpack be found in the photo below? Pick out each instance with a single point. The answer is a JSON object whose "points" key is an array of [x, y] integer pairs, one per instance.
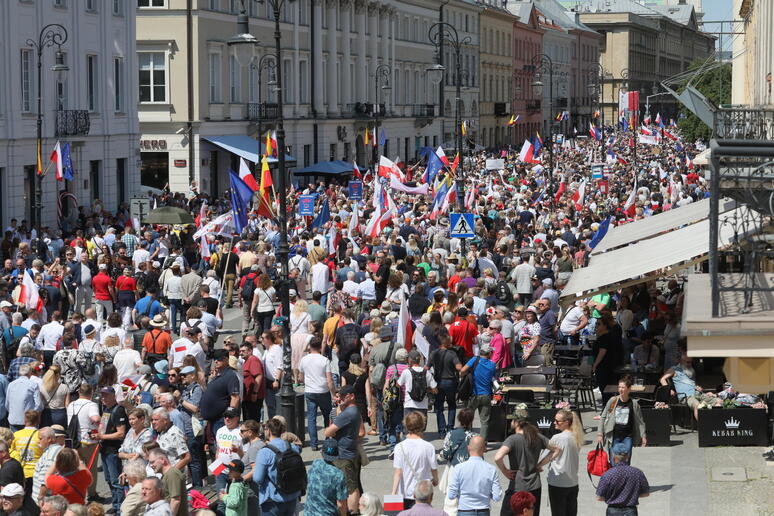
{"points": [[483, 370], [417, 382], [348, 429], [247, 286], [279, 473]]}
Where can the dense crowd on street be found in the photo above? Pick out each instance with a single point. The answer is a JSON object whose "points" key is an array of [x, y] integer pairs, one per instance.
{"points": [[116, 363]]}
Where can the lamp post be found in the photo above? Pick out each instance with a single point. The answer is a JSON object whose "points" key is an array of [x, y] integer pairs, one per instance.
{"points": [[514, 97], [596, 75], [245, 45], [50, 35], [439, 34], [542, 64], [381, 76], [268, 61]]}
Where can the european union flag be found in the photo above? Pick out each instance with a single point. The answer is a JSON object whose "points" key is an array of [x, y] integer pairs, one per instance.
{"points": [[601, 232], [322, 217], [241, 197], [67, 162], [434, 165]]}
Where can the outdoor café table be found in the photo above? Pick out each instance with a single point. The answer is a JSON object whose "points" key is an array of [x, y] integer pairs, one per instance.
{"points": [[637, 391], [534, 388], [650, 375], [518, 371]]}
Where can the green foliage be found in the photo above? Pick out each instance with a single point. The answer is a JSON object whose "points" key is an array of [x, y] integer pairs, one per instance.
{"points": [[716, 86]]}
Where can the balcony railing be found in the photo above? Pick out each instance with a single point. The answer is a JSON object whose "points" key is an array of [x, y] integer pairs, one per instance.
{"points": [[423, 110], [365, 110], [262, 111], [72, 122], [739, 123]]}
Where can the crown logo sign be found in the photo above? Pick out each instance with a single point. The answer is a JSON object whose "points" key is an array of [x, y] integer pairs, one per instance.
{"points": [[544, 423], [732, 423]]}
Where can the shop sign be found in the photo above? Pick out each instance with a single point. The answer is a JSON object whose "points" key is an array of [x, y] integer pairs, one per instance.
{"points": [[181, 163], [153, 145], [732, 427]]}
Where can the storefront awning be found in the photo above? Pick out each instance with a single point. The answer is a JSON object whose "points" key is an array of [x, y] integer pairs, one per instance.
{"points": [[244, 146], [657, 224], [654, 257]]}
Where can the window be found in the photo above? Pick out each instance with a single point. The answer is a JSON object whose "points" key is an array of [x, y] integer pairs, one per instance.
{"points": [[61, 88], [118, 84], [150, 3], [122, 179], [252, 84], [287, 80], [303, 78], [60, 3], [26, 79], [234, 80], [153, 77], [215, 5], [94, 167], [215, 78], [332, 154], [91, 5], [234, 6], [118, 7], [91, 82]]}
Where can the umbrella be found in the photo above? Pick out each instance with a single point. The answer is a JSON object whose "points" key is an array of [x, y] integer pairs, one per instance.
{"points": [[169, 215]]}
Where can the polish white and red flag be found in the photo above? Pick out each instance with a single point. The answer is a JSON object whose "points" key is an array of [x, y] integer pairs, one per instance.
{"points": [[247, 176], [29, 295], [442, 155], [58, 161]]}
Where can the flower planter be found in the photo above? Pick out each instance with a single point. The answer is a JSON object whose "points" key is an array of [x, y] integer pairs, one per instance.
{"points": [[658, 425], [732, 427]]}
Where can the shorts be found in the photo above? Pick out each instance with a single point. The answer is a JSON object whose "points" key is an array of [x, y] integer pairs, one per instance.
{"points": [[351, 470], [692, 402]]}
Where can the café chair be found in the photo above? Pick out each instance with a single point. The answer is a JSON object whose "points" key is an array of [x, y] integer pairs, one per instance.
{"points": [[514, 397], [535, 360]]}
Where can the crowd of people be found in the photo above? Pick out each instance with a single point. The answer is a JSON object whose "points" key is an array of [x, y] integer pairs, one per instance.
{"points": [[114, 367]]}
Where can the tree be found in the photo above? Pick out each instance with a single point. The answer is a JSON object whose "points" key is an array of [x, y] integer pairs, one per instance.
{"points": [[716, 86]]}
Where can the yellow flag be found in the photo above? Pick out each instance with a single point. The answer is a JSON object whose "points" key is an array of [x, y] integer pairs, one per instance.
{"points": [[464, 128]]}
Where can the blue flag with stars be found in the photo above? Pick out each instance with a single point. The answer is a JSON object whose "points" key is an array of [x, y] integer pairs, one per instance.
{"points": [[600, 234], [67, 162], [241, 197]]}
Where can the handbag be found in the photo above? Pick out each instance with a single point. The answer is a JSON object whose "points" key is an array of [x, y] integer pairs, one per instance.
{"points": [[465, 389], [443, 484], [597, 462]]}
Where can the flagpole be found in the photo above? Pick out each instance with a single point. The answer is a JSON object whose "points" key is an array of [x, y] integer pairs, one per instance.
{"points": [[225, 272]]}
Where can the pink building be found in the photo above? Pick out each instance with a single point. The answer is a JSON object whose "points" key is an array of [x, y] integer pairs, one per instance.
{"points": [[528, 42]]}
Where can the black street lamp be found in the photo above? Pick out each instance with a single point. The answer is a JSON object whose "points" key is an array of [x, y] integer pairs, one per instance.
{"points": [[269, 62], [382, 76], [543, 64], [516, 95], [245, 46], [50, 35], [439, 34], [596, 85]]}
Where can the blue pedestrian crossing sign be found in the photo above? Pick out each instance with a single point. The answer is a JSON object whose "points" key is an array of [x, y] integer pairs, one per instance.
{"points": [[461, 225]]}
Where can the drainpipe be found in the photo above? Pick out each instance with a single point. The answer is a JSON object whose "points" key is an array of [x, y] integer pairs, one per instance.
{"points": [[190, 81]]}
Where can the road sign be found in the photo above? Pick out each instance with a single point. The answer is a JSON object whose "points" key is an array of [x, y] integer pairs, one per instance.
{"points": [[139, 207], [461, 225]]}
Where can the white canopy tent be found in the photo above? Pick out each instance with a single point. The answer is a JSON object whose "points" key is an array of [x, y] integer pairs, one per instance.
{"points": [[657, 224], [654, 257]]}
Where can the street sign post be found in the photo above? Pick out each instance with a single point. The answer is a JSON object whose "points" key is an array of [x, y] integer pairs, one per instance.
{"points": [[139, 207], [462, 225]]}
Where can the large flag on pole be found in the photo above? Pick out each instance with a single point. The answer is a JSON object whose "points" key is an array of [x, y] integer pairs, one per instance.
{"points": [[56, 159], [264, 199], [600, 234], [241, 196], [28, 293], [630, 208], [247, 176]]}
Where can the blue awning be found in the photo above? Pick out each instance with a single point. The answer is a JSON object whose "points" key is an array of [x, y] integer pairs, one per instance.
{"points": [[244, 146], [331, 168]]}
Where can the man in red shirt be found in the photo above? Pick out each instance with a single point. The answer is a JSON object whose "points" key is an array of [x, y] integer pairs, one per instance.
{"points": [[463, 332], [104, 293]]}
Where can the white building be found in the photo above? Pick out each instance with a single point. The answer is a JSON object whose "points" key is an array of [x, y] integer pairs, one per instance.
{"points": [[93, 108], [199, 110]]}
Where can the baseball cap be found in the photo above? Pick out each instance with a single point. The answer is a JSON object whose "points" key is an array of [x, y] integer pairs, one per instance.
{"points": [[292, 293], [59, 430], [620, 449], [162, 366], [6, 304], [385, 332], [220, 354], [347, 389], [231, 412], [188, 370], [12, 491], [330, 450], [102, 266], [107, 390], [145, 369], [89, 329], [156, 264]]}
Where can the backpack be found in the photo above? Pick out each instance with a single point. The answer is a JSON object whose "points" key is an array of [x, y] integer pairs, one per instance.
{"points": [[391, 401], [418, 384], [87, 362], [347, 341], [465, 388], [249, 287], [503, 293], [13, 346], [379, 371], [74, 429], [291, 472]]}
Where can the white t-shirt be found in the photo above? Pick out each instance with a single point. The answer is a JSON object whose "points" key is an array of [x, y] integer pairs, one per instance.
{"points": [[225, 439], [320, 275], [85, 409], [126, 362], [50, 334], [416, 459], [405, 381], [272, 361], [140, 256], [315, 366], [563, 470], [571, 320]]}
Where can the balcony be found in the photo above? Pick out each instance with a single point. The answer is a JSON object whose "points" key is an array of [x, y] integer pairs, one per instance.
{"points": [[423, 110], [72, 122], [533, 107], [739, 123], [262, 111], [365, 110]]}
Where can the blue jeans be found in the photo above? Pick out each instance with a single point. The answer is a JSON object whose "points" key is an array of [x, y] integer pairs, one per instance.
{"points": [[272, 508], [380, 416], [221, 481], [621, 511], [447, 391], [479, 512], [323, 401], [196, 447], [394, 427], [111, 466], [271, 400], [175, 310], [627, 441]]}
